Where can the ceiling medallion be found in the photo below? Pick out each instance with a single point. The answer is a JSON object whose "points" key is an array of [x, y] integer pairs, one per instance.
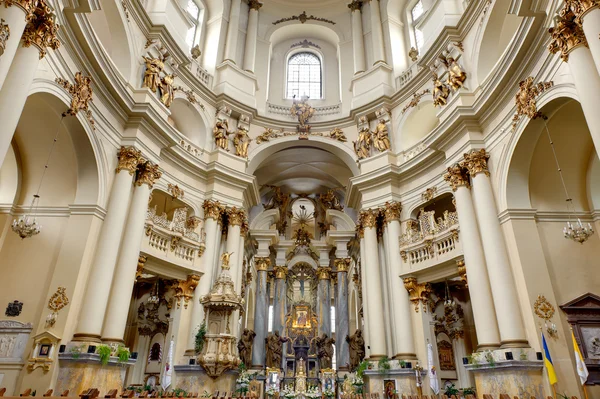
{"points": [[303, 18]]}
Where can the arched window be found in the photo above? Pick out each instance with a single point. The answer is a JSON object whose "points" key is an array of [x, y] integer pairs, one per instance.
{"points": [[193, 35], [304, 76], [416, 13]]}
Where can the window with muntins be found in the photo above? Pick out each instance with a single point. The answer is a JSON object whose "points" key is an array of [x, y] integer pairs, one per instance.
{"points": [[304, 76], [416, 13], [193, 33]]}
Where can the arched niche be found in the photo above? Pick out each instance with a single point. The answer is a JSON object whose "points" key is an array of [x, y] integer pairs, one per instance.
{"points": [[494, 38], [165, 203], [419, 122], [186, 118], [110, 29]]}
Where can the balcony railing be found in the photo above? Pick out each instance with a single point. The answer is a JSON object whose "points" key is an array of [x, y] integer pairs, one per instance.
{"points": [[175, 241], [319, 111], [428, 242]]}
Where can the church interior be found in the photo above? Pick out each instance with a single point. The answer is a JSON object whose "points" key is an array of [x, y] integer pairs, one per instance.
{"points": [[290, 199]]}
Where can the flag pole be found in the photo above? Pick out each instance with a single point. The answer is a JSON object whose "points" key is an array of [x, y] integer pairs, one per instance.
{"points": [[554, 390], [584, 392]]}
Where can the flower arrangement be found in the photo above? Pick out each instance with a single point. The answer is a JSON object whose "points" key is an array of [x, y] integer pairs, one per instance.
{"points": [[358, 381], [243, 382], [271, 391], [329, 393], [288, 392], [313, 393]]}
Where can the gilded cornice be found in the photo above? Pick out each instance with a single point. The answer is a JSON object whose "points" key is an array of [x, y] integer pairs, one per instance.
{"points": [[566, 34], [212, 210], [342, 264], [476, 162], [457, 177], [129, 159], [262, 263], [392, 211], [368, 218], [148, 173]]}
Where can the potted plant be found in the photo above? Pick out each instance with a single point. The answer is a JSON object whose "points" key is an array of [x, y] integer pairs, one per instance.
{"points": [[243, 381], [451, 390], [468, 391], [200, 337], [123, 354], [384, 364], [104, 351]]}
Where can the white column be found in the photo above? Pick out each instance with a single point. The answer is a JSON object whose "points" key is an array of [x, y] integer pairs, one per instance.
{"points": [[590, 22], [91, 315], [235, 217], [232, 31], [376, 32], [402, 331], [363, 259], [15, 17], [212, 228], [124, 277], [358, 41], [374, 312], [484, 313], [14, 94], [512, 331], [251, 36]]}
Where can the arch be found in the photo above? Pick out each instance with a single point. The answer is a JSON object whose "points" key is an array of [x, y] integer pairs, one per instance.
{"points": [[262, 152], [189, 121], [340, 220], [314, 29], [265, 219], [301, 260], [417, 124]]}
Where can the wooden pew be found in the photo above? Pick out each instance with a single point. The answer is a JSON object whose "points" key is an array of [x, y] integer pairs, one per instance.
{"points": [[111, 394], [27, 392], [91, 393], [2, 391], [65, 393]]}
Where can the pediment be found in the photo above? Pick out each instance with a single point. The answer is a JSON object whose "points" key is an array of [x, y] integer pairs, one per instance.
{"points": [[586, 302]]}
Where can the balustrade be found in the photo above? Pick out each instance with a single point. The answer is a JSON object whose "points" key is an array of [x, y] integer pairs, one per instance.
{"points": [[319, 111]]}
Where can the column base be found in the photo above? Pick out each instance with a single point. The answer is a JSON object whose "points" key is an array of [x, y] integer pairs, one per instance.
{"points": [[190, 353], [374, 358], [109, 341], [514, 378], [193, 378], [83, 337], [405, 356], [487, 347], [78, 373], [514, 343]]}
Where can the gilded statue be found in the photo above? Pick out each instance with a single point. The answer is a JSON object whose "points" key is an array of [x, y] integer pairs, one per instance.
{"points": [[154, 67], [220, 132], [381, 139], [338, 134], [303, 111], [267, 135], [456, 76], [356, 345], [362, 146], [441, 92], [279, 200], [330, 201], [413, 54], [166, 89], [325, 351], [245, 346], [225, 257], [274, 349], [347, 387], [241, 142]]}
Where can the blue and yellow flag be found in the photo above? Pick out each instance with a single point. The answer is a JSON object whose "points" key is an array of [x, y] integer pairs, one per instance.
{"points": [[548, 362]]}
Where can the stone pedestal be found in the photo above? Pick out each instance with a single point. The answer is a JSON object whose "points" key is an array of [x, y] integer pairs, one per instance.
{"points": [[86, 371], [515, 378], [14, 336], [193, 378], [405, 379]]}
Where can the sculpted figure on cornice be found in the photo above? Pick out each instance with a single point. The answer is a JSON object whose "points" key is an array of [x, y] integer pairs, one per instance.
{"points": [[166, 89], [356, 342], [241, 142], [154, 67], [456, 76], [220, 133], [441, 92], [4, 35], [325, 350], [413, 54], [330, 201], [245, 346], [338, 134], [381, 139], [566, 35], [362, 146], [267, 135]]}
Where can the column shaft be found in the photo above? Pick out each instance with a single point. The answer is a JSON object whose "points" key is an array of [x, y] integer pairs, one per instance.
{"points": [[260, 312], [324, 301], [480, 292], [14, 93], [279, 300], [510, 323], [591, 28], [376, 33], [232, 31], [101, 275], [341, 314], [251, 36], [363, 259], [358, 41], [14, 17]]}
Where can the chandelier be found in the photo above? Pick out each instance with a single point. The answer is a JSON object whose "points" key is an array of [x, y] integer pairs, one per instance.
{"points": [[572, 231], [154, 298], [26, 225], [448, 300]]}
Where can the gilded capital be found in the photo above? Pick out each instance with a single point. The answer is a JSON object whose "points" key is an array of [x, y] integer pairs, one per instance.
{"points": [[255, 4], [148, 173], [262, 263], [42, 30], [236, 216], [323, 273], [476, 162], [355, 5], [28, 6], [280, 272], [368, 218], [581, 7], [418, 293], [457, 177], [212, 210], [462, 271], [392, 211], [184, 289], [342, 264], [567, 34], [244, 228], [129, 159]]}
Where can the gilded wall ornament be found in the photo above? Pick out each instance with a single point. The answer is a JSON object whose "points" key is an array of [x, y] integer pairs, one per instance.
{"points": [[166, 89], [241, 142], [220, 134], [418, 293], [303, 18], [526, 99], [567, 34], [428, 194], [4, 35], [462, 271], [267, 135], [56, 303], [457, 176], [184, 290], [441, 92], [413, 54], [581, 7], [476, 162], [142, 259], [175, 191], [456, 75], [362, 146], [381, 139], [330, 201], [392, 211], [338, 134], [415, 100], [196, 52], [13, 309], [355, 5], [129, 159], [303, 111], [545, 311], [305, 44], [41, 30], [148, 173], [342, 264], [81, 96], [154, 66], [212, 210]]}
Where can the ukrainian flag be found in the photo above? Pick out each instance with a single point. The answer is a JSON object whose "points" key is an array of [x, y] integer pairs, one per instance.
{"points": [[548, 362]]}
